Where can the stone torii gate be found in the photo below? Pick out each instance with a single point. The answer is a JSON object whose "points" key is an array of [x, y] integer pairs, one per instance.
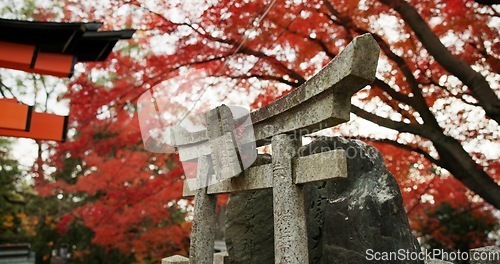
{"points": [[321, 102]]}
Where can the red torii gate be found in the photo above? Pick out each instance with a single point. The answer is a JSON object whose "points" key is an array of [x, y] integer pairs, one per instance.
{"points": [[47, 48]]}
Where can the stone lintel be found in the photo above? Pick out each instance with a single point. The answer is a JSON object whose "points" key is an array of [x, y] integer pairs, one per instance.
{"points": [[321, 112], [253, 178], [312, 168], [321, 166], [359, 59]]}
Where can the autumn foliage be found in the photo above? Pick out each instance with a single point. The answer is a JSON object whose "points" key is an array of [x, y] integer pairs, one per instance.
{"points": [[129, 196], [443, 213], [434, 98]]}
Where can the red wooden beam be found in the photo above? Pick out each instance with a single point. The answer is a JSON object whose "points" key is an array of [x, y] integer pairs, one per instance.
{"points": [[14, 115], [27, 58], [16, 56], [43, 127], [59, 65]]}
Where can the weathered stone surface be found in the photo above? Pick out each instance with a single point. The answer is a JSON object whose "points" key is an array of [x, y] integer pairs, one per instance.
{"points": [[364, 211], [225, 157], [180, 136], [249, 225], [345, 217], [203, 232], [175, 260], [290, 237], [485, 255], [320, 167], [186, 189], [321, 102], [221, 258], [194, 151], [253, 178], [346, 74], [305, 169], [437, 261]]}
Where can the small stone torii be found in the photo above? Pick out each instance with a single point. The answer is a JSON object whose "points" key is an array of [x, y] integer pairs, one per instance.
{"points": [[321, 102]]}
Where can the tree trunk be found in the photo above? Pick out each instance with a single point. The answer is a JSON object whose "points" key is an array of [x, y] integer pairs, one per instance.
{"points": [[452, 156], [459, 163]]}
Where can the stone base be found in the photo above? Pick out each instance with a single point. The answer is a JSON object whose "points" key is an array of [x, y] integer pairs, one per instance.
{"points": [[175, 260], [485, 255]]}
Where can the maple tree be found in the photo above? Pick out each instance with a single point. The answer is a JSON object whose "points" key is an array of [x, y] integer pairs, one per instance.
{"points": [[425, 90], [436, 89]]}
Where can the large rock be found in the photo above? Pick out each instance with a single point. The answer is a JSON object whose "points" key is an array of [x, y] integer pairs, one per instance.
{"points": [[363, 212], [345, 217], [249, 225]]}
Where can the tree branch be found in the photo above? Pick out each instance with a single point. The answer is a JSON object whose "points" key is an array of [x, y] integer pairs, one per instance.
{"points": [[236, 44], [271, 59], [382, 85], [416, 129], [474, 80], [418, 102], [261, 77], [3, 86], [456, 213], [415, 149], [451, 153], [458, 96], [317, 41]]}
